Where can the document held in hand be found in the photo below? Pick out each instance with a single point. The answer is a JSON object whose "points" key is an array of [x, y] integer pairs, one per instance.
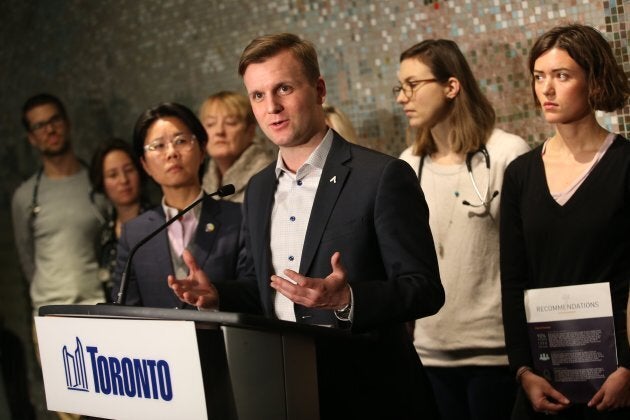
{"points": [[572, 337]]}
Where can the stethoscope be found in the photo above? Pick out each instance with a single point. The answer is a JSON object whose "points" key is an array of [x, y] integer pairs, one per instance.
{"points": [[34, 202], [469, 156], [35, 208]]}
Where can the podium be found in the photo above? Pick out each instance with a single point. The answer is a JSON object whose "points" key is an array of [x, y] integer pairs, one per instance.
{"points": [[133, 362]]}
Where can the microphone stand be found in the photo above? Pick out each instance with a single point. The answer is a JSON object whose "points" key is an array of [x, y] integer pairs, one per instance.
{"points": [[122, 292]]}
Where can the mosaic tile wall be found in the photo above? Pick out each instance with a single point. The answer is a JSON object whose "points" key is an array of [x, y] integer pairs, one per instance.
{"points": [[617, 18], [109, 60]]}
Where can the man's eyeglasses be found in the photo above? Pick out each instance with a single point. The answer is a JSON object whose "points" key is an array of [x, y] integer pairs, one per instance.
{"points": [[181, 142], [408, 88], [56, 120]]}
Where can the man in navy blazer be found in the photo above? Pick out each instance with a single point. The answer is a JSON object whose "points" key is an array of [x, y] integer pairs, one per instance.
{"points": [[338, 235]]}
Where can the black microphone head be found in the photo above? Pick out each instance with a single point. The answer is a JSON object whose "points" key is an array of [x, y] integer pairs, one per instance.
{"points": [[226, 190], [466, 203]]}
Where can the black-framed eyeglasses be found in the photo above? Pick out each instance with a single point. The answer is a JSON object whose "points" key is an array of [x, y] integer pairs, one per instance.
{"points": [[408, 88], [179, 142], [55, 120]]}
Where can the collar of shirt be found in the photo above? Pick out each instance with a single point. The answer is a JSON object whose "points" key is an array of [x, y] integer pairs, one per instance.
{"points": [[181, 231], [171, 212], [317, 159]]}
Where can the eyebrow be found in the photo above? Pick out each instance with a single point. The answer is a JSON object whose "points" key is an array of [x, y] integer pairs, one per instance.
{"points": [[55, 115], [415, 78], [273, 88], [225, 117], [554, 70], [177, 133], [284, 83]]}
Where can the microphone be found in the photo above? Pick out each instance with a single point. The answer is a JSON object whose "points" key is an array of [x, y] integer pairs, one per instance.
{"points": [[122, 292]]}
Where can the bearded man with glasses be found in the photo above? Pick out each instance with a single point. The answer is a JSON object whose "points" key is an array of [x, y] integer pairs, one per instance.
{"points": [[56, 220]]}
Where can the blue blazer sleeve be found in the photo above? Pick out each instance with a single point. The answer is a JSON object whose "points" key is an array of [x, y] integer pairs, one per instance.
{"points": [[410, 287]]}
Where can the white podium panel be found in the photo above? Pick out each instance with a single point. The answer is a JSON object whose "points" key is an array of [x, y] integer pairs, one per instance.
{"points": [[121, 368]]}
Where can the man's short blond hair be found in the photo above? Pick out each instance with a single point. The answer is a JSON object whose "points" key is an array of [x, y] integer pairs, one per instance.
{"points": [[267, 46]]}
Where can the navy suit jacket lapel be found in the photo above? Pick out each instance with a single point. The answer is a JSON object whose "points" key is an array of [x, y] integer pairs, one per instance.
{"points": [[261, 234], [205, 236], [158, 250], [330, 186], [260, 231]]}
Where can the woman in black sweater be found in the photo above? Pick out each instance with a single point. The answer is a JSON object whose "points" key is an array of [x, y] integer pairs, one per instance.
{"points": [[565, 212]]}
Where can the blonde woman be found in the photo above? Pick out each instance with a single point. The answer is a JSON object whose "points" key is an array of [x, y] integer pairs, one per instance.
{"points": [[235, 155], [339, 121]]}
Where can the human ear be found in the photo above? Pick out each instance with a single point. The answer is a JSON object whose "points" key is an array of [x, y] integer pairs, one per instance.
{"points": [[452, 88], [321, 90]]}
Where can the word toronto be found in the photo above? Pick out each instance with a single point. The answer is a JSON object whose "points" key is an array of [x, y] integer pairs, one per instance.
{"points": [[139, 378]]}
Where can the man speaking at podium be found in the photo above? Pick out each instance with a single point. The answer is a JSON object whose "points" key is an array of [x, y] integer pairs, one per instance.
{"points": [[337, 235]]}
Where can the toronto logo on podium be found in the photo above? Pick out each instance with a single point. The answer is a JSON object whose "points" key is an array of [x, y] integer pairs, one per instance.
{"points": [[125, 376], [74, 366]]}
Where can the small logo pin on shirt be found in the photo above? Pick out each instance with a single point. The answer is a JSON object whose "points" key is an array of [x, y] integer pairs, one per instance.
{"points": [[210, 227], [333, 180]]}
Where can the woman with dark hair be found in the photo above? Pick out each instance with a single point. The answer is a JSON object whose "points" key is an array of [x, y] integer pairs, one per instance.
{"points": [[565, 213], [460, 156], [171, 141], [116, 173]]}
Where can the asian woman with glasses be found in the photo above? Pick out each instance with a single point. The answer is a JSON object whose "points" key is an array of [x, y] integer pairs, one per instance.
{"points": [[170, 141]]}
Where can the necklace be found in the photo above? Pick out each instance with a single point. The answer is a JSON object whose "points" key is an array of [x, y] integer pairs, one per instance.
{"points": [[444, 198]]}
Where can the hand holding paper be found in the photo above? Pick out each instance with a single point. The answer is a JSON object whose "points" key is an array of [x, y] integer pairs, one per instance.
{"points": [[614, 393], [544, 397]]}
